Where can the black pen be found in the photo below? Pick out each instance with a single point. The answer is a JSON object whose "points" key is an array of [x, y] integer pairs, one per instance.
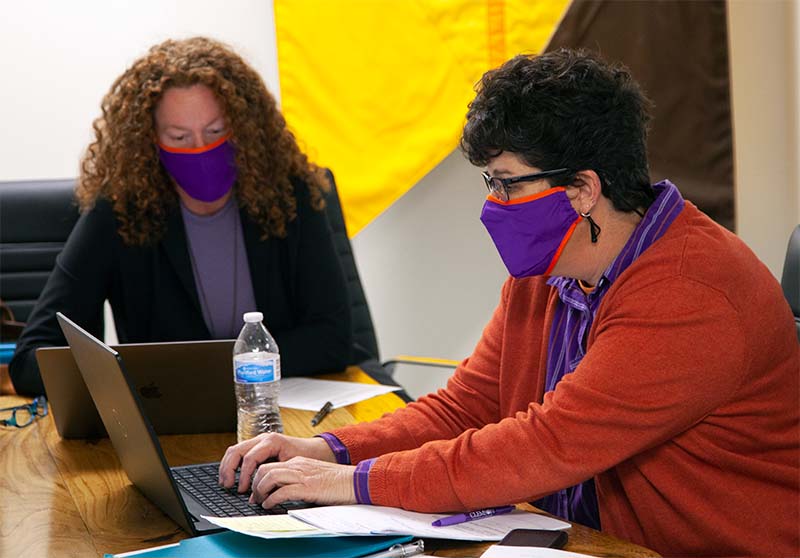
{"points": [[322, 413]]}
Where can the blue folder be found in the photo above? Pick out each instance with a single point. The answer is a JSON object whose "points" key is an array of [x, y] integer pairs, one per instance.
{"points": [[230, 544]]}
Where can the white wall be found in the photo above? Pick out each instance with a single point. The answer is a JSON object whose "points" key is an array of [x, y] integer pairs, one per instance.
{"points": [[58, 59], [431, 273], [764, 93]]}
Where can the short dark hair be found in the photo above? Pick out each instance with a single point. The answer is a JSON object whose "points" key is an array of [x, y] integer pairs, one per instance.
{"points": [[566, 108]]}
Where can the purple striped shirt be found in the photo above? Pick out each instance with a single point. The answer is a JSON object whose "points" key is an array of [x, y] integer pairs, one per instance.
{"points": [[571, 323], [567, 346]]}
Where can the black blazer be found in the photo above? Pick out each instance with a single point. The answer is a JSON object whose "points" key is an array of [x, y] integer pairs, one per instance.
{"points": [[297, 281]]}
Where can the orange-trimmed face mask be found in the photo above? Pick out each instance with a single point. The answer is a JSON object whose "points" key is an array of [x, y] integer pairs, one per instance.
{"points": [[206, 173], [530, 233]]}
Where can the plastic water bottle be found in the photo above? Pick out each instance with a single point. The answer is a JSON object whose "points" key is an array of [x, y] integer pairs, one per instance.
{"points": [[257, 377]]}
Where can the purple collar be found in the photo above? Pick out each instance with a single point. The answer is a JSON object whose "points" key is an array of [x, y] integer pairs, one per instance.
{"points": [[660, 215]]}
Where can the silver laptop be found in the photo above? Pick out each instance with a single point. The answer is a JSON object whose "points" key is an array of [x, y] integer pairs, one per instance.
{"points": [[185, 387], [183, 493]]}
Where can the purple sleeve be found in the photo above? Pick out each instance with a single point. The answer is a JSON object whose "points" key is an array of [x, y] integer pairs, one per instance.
{"points": [[337, 447], [361, 481], [361, 476]]}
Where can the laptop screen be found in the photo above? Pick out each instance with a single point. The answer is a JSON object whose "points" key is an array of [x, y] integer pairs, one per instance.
{"points": [[122, 413]]}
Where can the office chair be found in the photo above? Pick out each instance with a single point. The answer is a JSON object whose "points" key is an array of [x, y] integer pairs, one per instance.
{"points": [[790, 281], [365, 346], [365, 343], [36, 217]]}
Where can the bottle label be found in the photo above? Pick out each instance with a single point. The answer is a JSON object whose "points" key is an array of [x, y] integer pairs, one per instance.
{"points": [[250, 372]]}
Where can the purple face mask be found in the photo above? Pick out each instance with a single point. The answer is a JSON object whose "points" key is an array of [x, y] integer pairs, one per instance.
{"points": [[206, 173], [530, 232]]}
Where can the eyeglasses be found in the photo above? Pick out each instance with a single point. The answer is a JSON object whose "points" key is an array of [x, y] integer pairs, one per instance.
{"points": [[499, 186], [24, 415]]}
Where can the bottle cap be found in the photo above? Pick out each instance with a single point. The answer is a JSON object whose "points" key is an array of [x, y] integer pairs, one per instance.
{"points": [[253, 317]]}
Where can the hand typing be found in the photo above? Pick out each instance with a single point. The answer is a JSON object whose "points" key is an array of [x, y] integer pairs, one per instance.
{"points": [[301, 478], [251, 453]]}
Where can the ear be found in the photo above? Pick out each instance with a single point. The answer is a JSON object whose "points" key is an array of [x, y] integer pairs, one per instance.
{"points": [[586, 189]]}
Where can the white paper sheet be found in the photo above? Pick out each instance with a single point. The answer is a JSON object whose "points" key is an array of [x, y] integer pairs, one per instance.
{"points": [[497, 551], [362, 520], [310, 394], [269, 526]]}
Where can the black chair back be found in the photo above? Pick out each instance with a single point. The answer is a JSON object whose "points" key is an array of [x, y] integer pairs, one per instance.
{"points": [[36, 217], [790, 281], [365, 343]]}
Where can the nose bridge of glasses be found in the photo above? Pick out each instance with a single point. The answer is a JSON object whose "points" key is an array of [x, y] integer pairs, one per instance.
{"points": [[39, 406], [495, 186]]}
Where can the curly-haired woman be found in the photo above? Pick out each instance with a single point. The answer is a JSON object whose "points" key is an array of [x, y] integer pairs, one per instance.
{"points": [[197, 205]]}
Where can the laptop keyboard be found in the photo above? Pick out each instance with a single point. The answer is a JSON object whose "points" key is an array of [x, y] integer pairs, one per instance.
{"points": [[201, 481]]}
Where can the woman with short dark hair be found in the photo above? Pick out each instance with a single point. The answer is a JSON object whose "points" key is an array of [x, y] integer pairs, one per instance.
{"points": [[640, 374]]}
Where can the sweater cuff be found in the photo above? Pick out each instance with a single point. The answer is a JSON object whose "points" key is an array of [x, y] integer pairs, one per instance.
{"points": [[361, 481], [337, 447]]}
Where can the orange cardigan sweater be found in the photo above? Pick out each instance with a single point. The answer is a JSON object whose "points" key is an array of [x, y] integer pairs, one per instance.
{"points": [[685, 409]]}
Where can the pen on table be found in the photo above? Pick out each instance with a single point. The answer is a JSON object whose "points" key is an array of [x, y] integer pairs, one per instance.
{"points": [[401, 550], [322, 413], [471, 516]]}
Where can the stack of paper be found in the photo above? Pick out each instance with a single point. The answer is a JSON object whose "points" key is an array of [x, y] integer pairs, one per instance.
{"points": [[379, 520], [271, 526]]}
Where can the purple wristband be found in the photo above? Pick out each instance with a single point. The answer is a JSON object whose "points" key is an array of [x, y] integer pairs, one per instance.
{"points": [[361, 481], [337, 447]]}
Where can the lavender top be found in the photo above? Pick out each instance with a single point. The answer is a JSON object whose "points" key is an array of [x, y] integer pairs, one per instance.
{"points": [[220, 268]]}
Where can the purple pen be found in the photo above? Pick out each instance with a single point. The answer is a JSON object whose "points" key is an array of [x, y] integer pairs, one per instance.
{"points": [[471, 516]]}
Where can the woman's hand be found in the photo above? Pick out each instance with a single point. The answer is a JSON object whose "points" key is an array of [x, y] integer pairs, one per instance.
{"points": [[301, 478], [276, 447]]}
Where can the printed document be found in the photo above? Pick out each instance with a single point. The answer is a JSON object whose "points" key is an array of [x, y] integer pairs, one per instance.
{"points": [[310, 394], [327, 521], [374, 520]]}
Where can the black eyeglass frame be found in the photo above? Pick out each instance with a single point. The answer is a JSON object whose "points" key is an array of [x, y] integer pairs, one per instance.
{"points": [[496, 185], [37, 409]]}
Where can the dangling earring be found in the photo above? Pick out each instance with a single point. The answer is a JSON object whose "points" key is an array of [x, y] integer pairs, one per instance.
{"points": [[594, 227]]}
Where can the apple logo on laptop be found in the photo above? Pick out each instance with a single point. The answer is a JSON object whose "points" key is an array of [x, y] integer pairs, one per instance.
{"points": [[150, 391]]}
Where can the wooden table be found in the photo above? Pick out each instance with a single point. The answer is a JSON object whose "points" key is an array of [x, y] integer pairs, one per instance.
{"points": [[65, 498]]}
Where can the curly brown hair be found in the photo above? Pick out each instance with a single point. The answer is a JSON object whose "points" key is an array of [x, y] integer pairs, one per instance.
{"points": [[122, 163]]}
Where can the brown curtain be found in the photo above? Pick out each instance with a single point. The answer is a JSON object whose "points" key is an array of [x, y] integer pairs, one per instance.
{"points": [[678, 51]]}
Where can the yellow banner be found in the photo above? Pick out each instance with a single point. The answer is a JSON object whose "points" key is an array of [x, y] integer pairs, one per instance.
{"points": [[377, 90]]}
